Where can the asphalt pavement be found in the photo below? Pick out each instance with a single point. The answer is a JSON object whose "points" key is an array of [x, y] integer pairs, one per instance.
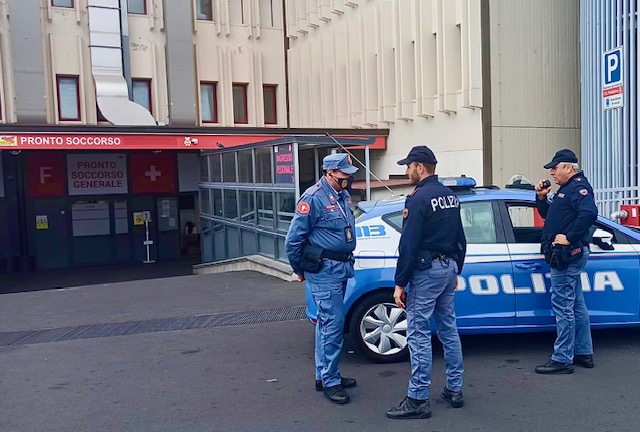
{"points": [[258, 376]]}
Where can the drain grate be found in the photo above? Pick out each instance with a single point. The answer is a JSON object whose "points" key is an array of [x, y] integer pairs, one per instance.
{"points": [[156, 325]]}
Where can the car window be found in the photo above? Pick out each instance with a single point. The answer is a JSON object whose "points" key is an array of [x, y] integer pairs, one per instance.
{"points": [[526, 222], [478, 221], [394, 220]]}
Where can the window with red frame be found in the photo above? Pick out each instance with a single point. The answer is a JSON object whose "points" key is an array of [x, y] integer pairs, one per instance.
{"points": [[203, 10], [208, 102], [270, 105], [240, 112], [62, 3], [142, 92], [68, 97], [138, 7]]}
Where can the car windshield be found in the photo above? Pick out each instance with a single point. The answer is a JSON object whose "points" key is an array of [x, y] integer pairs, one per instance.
{"points": [[358, 212]]}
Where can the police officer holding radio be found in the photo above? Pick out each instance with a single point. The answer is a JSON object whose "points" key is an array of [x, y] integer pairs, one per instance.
{"points": [[569, 215], [319, 246], [431, 255]]}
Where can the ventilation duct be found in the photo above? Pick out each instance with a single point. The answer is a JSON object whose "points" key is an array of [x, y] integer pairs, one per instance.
{"points": [[106, 66]]}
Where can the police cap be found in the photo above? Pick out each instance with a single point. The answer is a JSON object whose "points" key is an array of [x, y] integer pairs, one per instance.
{"points": [[420, 154], [564, 155], [339, 161]]}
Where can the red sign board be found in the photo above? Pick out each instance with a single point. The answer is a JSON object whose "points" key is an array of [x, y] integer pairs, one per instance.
{"points": [[46, 174], [153, 173], [121, 141]]}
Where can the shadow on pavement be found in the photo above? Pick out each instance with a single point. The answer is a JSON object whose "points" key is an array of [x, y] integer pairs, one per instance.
{"points": [[93, 275]]}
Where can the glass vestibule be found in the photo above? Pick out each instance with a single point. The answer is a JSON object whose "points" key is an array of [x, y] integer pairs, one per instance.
{"points": [[247, 201]]}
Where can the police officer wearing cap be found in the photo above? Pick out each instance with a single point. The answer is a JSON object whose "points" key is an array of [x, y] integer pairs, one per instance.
{"points": [[319, 245], [569, 215], [431, 255]]}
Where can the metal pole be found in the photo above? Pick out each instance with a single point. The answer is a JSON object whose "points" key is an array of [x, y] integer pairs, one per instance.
{"points": [[367, 162]]}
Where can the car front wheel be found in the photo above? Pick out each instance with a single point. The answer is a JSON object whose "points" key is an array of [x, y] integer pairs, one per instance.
{"points": [[379, 329]]}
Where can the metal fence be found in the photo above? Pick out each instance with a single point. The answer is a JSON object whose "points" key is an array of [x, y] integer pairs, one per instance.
{"points": [[610, 200]]}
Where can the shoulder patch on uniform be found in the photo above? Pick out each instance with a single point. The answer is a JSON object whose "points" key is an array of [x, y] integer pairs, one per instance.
{"points": [[312, 189], [303, 207], [405, 212], [578, 179], [584, 192]]}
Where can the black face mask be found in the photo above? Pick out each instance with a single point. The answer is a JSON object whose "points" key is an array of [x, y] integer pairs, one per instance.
{"points": [[345, 183]]}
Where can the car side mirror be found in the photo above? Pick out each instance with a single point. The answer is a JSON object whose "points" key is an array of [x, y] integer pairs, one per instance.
{"points": [[603, 239]]}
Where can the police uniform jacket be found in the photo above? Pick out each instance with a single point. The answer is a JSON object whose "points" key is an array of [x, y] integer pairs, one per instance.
{"points": [[431, 227], [571, 211], [321, 217]]}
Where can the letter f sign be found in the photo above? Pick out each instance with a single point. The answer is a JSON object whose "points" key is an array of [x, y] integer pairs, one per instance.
{"points": [[45, 173]]}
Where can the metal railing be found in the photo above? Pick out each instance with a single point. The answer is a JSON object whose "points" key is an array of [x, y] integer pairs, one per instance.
{"points": [[609, 200]]}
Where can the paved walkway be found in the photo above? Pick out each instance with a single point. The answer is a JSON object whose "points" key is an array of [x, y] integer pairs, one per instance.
{"points": [[93, 275]]}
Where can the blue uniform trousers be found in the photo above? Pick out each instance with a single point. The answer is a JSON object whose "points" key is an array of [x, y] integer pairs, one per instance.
{"points": [[431, 293], [572, 317], [329, 298]]}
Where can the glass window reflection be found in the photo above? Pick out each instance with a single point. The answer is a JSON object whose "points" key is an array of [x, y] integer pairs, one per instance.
{"points": [[214, 168], [230, 204], [265, 209], [229, 167], [247, 207], [263, 165], [286, 208], [245, 166]]}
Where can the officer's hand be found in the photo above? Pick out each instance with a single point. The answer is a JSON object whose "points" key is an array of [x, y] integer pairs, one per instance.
{"points": [[561, 239], [541, 191], [301, 277], [399, 296]]}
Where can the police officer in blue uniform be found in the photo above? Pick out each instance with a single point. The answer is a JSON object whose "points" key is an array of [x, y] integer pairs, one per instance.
{"points": [[431, 255], [569, 215], [319, 245]]}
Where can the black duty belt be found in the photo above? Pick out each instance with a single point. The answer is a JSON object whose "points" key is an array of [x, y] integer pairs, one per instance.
{"points": [[440, 256], [337, 256]]}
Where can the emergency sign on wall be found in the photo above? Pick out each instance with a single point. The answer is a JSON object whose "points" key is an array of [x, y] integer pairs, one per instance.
{"points": [[97, 174]]}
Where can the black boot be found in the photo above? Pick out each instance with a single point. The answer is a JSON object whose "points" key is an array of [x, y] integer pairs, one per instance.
{"points": [[411, 408], [336, 394], [584, 360], [346, 383], [554, 367], [453, 397]]}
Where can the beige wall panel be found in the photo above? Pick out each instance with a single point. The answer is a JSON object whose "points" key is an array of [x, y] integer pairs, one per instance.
{"points": [[526, 150], [456, 140], [328, 81], [535, 78], [387, 61], [245, 55], [426, 65], [370, 29], [342, 88], [452, 55], [405, 60]]}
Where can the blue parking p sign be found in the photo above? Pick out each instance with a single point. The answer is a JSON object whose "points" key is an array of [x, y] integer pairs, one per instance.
{"points": [[612, 79]]}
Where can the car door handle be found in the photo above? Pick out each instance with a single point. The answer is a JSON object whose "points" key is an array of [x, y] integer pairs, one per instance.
{"points": [[528, 266]]}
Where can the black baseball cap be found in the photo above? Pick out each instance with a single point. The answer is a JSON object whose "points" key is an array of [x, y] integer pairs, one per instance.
{"points": [[564, 155], [421, 154]]}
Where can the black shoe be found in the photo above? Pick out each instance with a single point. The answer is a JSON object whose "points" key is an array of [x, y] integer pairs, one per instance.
{"points": [[411, 408], [455, 398], [346, 383], [554, 367], [584, 360], [336, 394]]}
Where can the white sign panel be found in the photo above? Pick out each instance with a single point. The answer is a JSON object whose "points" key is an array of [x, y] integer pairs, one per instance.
{"points": [[1, 177], [612, 79], [97, 174]]}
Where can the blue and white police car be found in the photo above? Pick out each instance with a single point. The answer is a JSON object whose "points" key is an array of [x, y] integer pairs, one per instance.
{"points": [[505, 283]]}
